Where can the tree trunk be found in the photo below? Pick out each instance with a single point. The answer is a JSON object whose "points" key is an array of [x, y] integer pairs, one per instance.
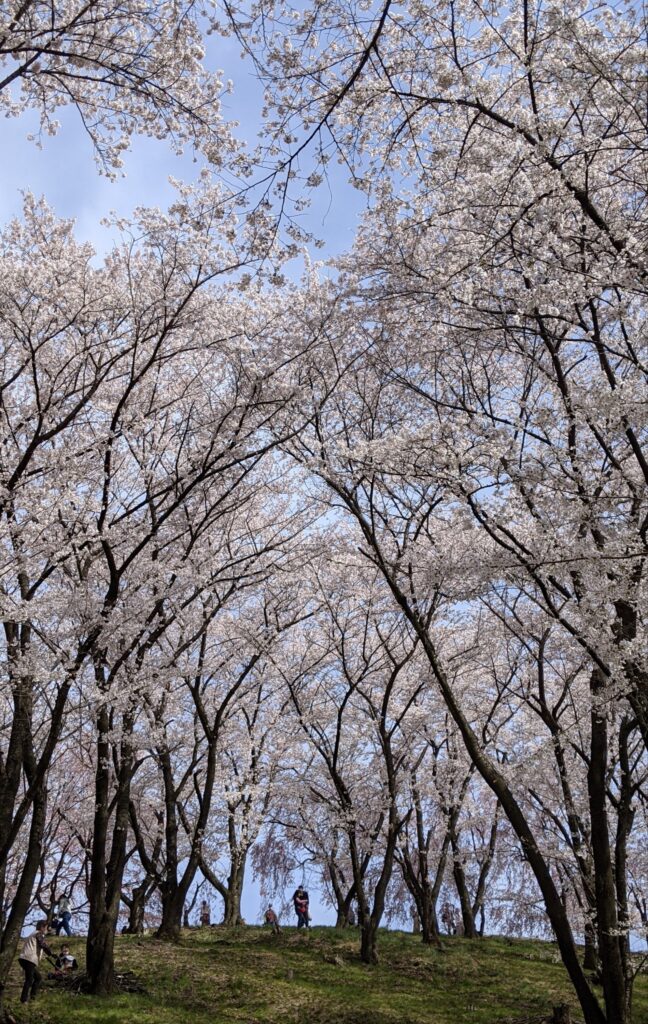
{"points": [[609, 941], [136, 909], [416, 874], [342, 901], [106, 873], [173, 889], [368, 935], [591, 1008], [590, 959], [459, 876], [100, 964], [232, 908], [430, 933], [172, 908], [10, 935]]}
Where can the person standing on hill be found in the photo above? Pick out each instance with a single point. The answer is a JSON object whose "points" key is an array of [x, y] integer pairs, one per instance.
{"points": [[301, 904], [270, 917], [32, 950], [64, 915]]}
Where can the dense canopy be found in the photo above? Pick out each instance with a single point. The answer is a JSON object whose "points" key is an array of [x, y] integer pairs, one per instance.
{"points": [[333, 570]]}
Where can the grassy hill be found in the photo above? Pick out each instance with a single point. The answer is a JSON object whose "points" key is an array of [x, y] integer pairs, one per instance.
{"points": [[249, 976]]}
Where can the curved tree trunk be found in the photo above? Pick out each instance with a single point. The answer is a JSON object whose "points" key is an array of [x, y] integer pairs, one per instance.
{"points": [[10, 935]]}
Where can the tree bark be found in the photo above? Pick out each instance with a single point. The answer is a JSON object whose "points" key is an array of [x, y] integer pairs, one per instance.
{"points": [[462, 890], [232, 908], [106, 873], [590, 959], [10, 936], [609, 941]]}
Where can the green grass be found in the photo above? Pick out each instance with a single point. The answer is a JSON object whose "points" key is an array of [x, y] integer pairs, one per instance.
{"points": [[249, 976]]}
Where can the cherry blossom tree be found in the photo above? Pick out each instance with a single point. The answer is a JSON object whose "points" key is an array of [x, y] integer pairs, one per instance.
{"points": [[503, 280], [124, 68]]}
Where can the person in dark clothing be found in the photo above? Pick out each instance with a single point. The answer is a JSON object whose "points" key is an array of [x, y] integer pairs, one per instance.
{"points": [[65, 962], [301, 903], [205, 914], [32, 950]]}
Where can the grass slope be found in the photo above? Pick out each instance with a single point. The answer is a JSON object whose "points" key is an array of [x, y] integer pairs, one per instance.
{"points": [[249, 976]]}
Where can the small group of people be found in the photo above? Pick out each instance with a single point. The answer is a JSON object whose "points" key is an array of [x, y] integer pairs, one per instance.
{"points": [[33, 947], [301, 905]]}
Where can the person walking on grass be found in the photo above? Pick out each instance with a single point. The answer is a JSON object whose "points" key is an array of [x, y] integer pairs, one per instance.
{"points": [[64, 915], [30, 955]]}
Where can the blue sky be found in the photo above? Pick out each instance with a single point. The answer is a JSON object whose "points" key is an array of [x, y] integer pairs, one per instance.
{"points": [[65, 173]]}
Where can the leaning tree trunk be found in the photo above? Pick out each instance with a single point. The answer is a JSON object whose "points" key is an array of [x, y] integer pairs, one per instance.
{"points": [[417, 879], [10, 935], [371, 922], [174, 889], [591, 1008]]}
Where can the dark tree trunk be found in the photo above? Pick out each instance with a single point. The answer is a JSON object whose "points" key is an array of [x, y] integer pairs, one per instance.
{"points": [[590, 959], [371, 922], [172, 908], [591, 1008], [368, 936], [174, 889], [137, 908], [625, 818], [172, 893], [459, 876], [344, 896], [232, 907], [107, 872], [20, 904], [416, 874], [478, 907], [609, 940]]}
